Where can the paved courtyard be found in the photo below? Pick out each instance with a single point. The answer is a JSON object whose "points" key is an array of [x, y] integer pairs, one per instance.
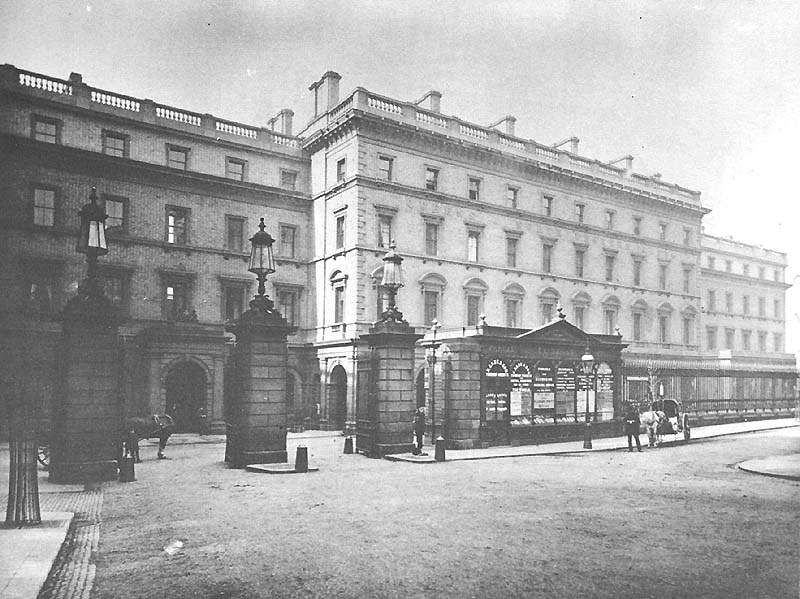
{"points": [[680, 521]]}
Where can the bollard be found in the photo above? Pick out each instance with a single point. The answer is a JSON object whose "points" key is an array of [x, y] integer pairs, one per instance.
{"points": [[126, 470], [439, 452], [301, 459], [348, 444]]}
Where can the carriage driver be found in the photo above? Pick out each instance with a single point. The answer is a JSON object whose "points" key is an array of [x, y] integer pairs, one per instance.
{"points": [[632, 424]]}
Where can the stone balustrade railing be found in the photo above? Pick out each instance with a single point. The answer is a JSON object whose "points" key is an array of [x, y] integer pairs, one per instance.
{"points": [[75, 92]]}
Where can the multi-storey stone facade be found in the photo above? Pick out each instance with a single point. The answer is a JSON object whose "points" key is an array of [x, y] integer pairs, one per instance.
{"points": [[494, 229]]}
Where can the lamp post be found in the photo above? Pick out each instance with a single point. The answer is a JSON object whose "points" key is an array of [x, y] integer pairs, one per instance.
{"points": [[262, 263], [431, 358], [587, 363], [392, 280], [92, 242]]}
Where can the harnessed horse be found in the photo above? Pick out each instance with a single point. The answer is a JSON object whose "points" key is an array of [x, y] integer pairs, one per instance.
{"points": [[651, 421], [137, 428]]}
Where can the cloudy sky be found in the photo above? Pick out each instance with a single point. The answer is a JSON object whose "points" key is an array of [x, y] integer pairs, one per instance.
{"points": [[705, 92]]}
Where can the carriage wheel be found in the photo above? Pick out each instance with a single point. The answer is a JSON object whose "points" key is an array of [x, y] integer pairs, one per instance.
{"points": [[43, 456], [687, 431]]}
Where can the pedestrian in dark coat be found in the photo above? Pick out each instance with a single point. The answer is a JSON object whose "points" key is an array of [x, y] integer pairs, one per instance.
{"points": [[419, 430], [632, 424]]}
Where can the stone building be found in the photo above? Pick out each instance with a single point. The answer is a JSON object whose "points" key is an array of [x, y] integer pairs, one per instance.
{"points": [[496, 230]]}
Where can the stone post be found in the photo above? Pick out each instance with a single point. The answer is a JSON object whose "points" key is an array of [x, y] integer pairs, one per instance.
{"points": [[256, 427], [393, 362], [88, 413]]}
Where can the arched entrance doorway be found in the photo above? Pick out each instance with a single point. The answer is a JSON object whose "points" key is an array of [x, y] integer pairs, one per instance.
{"points": [[337, 398], [185, 386]]}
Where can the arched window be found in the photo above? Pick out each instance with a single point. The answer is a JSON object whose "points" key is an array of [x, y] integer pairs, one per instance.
{"points": [[580, 307], [432, 289], [548, 300], [664, 322], [639, 311], [338, 281], [474, 295], [610, 306], [688, 315], [513, 295]]}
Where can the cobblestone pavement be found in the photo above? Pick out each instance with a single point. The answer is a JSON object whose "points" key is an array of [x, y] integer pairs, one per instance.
{"points": [[72, 574]]}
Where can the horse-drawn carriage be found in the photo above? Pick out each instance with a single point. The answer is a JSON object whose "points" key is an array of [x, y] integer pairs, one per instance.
{"points": [[671, 421]]}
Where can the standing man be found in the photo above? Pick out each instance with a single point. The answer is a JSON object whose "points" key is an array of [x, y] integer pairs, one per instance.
{"points": [[419, 430], [632, 424]]}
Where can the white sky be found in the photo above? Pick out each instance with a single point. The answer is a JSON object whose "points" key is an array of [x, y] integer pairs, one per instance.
{"points": [[705, 92]]}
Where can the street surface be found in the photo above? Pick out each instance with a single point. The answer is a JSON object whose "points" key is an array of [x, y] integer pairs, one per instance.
{"points": [[680, 521]]}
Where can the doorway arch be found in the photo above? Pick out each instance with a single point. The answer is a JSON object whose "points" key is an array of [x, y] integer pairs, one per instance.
{"points": [[185, 391], [337, 398]]}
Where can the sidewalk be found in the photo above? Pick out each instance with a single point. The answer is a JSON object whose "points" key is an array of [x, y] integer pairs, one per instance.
{"points": [[27, 554]]}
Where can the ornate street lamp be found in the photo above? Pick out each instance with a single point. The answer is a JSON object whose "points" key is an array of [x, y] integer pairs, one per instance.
{"points": [[431, 358], [262, 263], [92, 242], [587, 364], [392, 280]]}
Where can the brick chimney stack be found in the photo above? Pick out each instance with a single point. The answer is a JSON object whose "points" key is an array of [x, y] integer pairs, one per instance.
{"points": [[326, 92], [434, 101], [283, 120]]}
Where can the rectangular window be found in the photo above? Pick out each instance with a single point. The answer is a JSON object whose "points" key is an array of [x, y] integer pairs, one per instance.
{"points": [[511, 251], [746, 270], [687, 279], [473, 309], [776, 274], [287, 305], [235, 169], [115, 209], [712, 300], [777, 340], [762, 307], [384, 230], [431, 239], [637, 225], [663, 328], [580, 213], [473, 238], [688, 325], [729, 302], [474, 189], [662, 277], [234, 233], [637, 273], [637, 326], [177, 157], [115, 144], [341, 170], [338, 304], [728, 266], [547, 257], [232, 301], [114, 288], [512, 196], [46, 129], [547, 202], [762, 341], [580, 316], [288, 180], [431, 306], [746, 340], [746, 305], [177, 225], [512, 310], [44, 207], [760, 272], [776, 308], [288, 234], [176, 299], [580, 259], [729, 338], [431, 179], [41, 285], [385, 165], [340, 231], [610, 320], [711, 337], [711, 262], [687, 236], [609, 219], [610, 261], [662, 231]]}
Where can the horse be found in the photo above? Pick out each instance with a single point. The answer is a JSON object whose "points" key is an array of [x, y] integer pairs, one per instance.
{"points": [[651, 422], [146, 427]]}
